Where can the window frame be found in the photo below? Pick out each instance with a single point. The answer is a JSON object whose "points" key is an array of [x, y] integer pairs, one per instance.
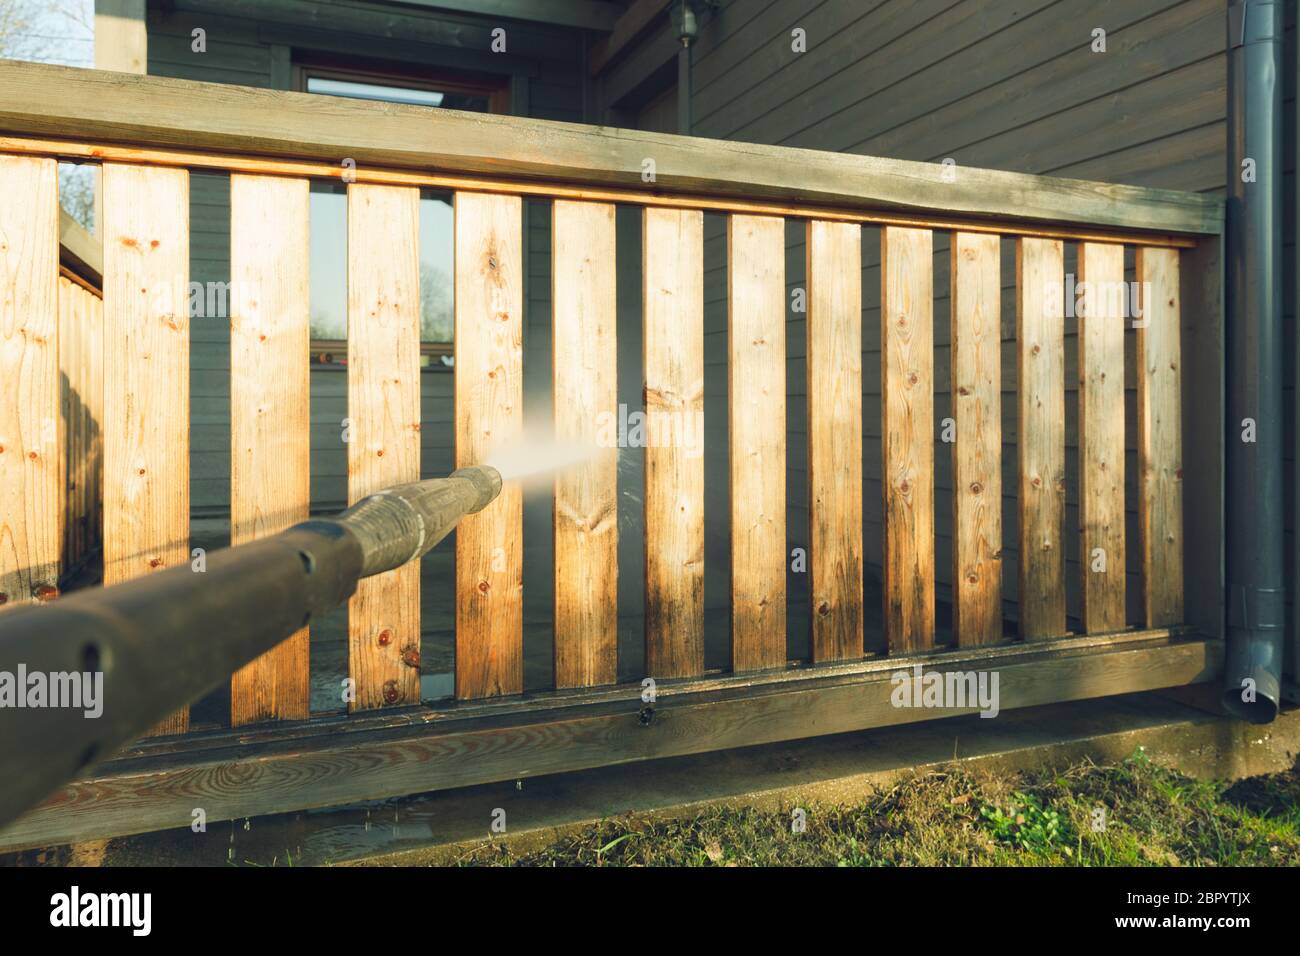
{"points": [[333, 352]]}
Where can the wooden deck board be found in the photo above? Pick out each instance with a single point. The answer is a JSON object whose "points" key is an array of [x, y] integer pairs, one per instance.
{"points": [[586, 495], [1040, 438], [976, 340], [31, 461], [907, 427], [756, 432], [673, 249], [146, 382], [330, 762], [384, 429], [489, 416], [1101, 436], [1160, 444], [270, 472], [834, 271]]}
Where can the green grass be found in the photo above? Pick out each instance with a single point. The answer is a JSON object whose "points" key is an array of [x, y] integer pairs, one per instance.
{"points": [[1132, 814]]}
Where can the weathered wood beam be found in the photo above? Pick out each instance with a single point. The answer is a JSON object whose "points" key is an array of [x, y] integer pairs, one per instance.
{"points": [[630, 27], [334, 761], [80, 251], [95, 106], [399, 23], [121, 38], [583, 14]]}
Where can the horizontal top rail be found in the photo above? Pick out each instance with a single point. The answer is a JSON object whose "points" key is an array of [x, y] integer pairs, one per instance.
{"points": [[38, 100]]}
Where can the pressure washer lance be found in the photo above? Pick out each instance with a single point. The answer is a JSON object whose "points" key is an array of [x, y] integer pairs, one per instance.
{"points": [[164, 640]]}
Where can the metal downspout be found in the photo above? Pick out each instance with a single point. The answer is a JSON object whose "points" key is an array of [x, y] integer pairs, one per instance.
{"points": [[1256, 599]]}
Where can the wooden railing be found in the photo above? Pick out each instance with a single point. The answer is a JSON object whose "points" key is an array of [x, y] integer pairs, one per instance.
{"points": [[51, 396], [274, 144]]}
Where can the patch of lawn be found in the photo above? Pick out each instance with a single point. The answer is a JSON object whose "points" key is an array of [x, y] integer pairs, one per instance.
{"points": [[1130, 814]]}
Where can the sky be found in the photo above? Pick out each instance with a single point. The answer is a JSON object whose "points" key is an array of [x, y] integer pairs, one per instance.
{"points": [[61, 31]]}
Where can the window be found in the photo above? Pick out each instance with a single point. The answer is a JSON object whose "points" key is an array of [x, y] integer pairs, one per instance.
{"points": [[328, 230]]}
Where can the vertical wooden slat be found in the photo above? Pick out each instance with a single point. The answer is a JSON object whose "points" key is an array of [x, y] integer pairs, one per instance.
{"points": [[1101, 434], [68, 420], [74, 349], [384, 410], [976, 387], [674, 406], [32, 497], [147, 377], [586, 495], [489, 417], [907, 410], [1160, 445], [834, 271], [756, 415], [81, 365], [93, 401], [78, 313], [269, 421], [1040, 392]]}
